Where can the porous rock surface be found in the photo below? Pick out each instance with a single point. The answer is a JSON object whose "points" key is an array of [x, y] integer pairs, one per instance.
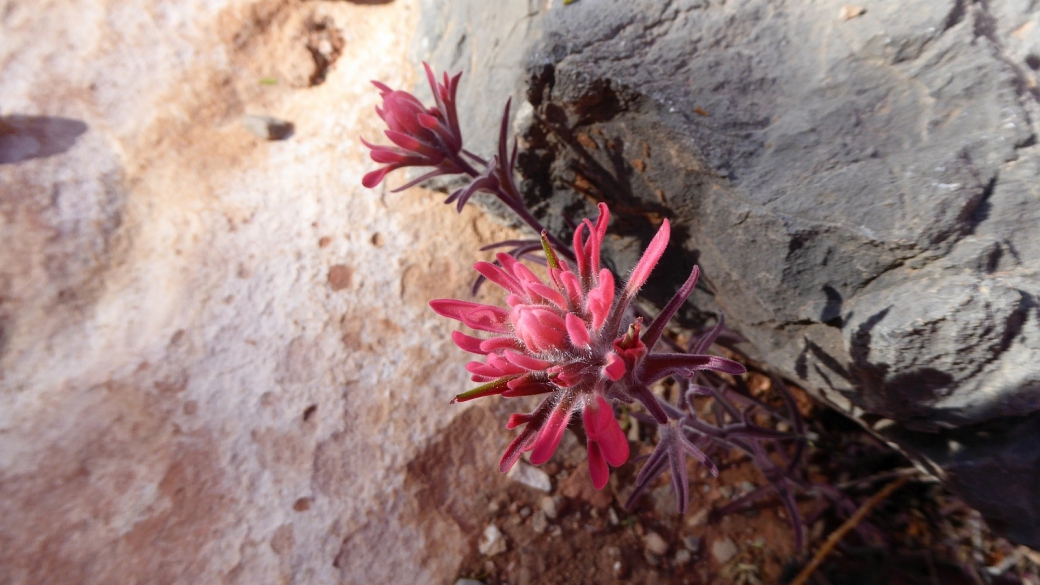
{"points": [[217, 363], [861, 192]]}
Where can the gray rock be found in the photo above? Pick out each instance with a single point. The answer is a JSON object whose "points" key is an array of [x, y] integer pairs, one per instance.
{"points": [[266, 127], [861, 194], [468, 582], [692, 543]]}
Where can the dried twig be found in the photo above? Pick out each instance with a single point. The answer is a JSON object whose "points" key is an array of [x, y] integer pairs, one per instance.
{"points": [[845, 528], [911, 472]]}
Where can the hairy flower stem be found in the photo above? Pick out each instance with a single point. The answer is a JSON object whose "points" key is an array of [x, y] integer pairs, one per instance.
{"points": [[511, 197]]}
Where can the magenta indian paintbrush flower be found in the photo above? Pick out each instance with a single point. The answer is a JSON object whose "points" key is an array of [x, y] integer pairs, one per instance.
{"points": [[570, 338], [422, 137]]}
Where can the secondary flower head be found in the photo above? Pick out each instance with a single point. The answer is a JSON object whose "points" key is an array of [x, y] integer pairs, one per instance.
{"points": [[568, 338], [423, 137]]}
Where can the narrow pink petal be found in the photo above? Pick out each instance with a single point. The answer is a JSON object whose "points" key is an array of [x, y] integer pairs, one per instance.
{"points": [[482, 369], [407, 142], [497, 343], [525, 386], [597, 236], [572, 286], [603, 428], [524, 274], [590, 243], [468, 342], [521, 443], [516, 419], [615, 367], [576, 330], [550, 435], [376, 177], [499, 277], [579, 253], [477, 316], [597, 466], [506, 261], [525, 361], [601, 299], [649, 259], [385, 155], [592, 414], [614, 443], [548, 293], [431, 122]]}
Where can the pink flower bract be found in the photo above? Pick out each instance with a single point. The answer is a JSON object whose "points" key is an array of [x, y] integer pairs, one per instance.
{"points": [[566, 338]]}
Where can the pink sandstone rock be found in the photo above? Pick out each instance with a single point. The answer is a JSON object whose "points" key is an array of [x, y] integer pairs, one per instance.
{"points": [[217, 364]]}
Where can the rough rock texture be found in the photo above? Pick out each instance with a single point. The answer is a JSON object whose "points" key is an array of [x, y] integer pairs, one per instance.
{"points": [[861, 192], [217, 364]]}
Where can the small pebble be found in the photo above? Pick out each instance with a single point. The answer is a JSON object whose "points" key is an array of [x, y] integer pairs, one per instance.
{"points": [[525, 512], [549, 506], [530, 476], [655, 544], [723, 550], [683, 557], [612, 517], [850, 11], [492, 542], [651, 559], [266, 127], [746, 487], [468, 582], [692, 543], [698, 518], [726, 492], [783, 427], [538, 522]]}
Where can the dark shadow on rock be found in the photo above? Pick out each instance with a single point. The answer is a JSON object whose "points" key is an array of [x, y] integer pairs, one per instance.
{"points": [[28, 137], [907, 396], [831, 314], [994, 466]]}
